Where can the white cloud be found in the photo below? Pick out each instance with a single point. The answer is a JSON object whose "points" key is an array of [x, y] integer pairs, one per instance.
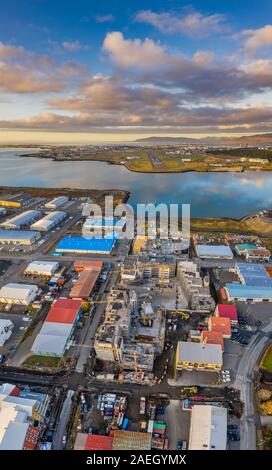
{"points": [[74, 46], [193, 24], [258, 38], [108, 18]]}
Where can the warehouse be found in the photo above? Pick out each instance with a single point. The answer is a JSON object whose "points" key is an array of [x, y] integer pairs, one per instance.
{"points": [[57, 329], [107, 225], [81, 264], [49, 221], [253, 275], [253, 252], [19, 237], [85, 245], [18, 294], [83, 288], [25, 218], [214, 251], [42, 268], [6, 328], [242, 293], [198, 356], [208, 428], [57, 202]]}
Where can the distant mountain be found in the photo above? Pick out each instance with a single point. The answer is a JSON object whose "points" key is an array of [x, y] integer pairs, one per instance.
{"points": [[246, 139]]}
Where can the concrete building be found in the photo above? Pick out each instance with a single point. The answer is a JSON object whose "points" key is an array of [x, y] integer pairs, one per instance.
{"points": [[161, 270], [42, 268], [6, 328], [131, 335], [214, 251], [194, 286], [104, 225], [198, 356], [129, 269], [208, 428], [56, 202], [253, 252], [57, 330], [49, 221], [18, 294], [18, 237], [20, 220]]}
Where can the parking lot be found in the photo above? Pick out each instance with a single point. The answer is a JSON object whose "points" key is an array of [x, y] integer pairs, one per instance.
{"points": [[19, 329]]}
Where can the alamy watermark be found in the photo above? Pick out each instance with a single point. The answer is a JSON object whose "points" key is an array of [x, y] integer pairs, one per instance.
{"points": [[152, 221]]}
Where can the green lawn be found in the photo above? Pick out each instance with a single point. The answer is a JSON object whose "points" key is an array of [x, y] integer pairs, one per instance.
{"points": [[42, 361], [267, 360]]}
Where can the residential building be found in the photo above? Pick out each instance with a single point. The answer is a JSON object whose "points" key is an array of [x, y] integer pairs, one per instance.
{"points": [[198, 356]]}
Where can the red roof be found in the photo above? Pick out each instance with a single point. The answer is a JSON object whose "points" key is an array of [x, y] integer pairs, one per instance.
{"points": [[15, 392], [227, 311], [64, 311], [213, 337], [85, 284], [80, 265], [95, 442], [221, 325]]}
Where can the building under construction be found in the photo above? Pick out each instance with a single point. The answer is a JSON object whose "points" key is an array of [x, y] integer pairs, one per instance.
{"points": [[132, 333]]}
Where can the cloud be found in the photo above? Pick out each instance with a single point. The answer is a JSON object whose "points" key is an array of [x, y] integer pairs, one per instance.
{"points": [[108, 18], [9, 52], [258, 38], [194, 24], [74, 46]]}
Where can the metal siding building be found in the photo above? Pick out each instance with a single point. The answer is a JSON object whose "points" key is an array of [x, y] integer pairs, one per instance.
{"points": [[214, 251], [18, 294], [57, 328], [57, 202], [49, 221], [19, 237], [85, 245], [242, 293], [42, 268], [253, 275], [25, 218]]}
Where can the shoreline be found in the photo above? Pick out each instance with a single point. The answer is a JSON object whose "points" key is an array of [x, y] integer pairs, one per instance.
{"points": [[151, 171]]}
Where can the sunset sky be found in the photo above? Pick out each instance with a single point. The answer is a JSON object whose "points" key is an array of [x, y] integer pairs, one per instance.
{"points": [[89, 71]]}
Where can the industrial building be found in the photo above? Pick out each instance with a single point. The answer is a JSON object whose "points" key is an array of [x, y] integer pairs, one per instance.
{"points": [[85, 245], [208, 428], [81, 264], [20, 220], [19, 237], [58, 328], [130, 440], [18, 294], [83, 288], [253, 252], [256, 284], [198, 356], [49, 221], [42, 268], [6, 328], [56, 202], [18, 412], [214, 251], [100, 225], [93, 442]]}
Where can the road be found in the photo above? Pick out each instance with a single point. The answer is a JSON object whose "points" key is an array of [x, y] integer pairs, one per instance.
{"points": [[63, 421], [245, 383]]}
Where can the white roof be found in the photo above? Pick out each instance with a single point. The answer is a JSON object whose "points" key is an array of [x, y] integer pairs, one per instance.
{"points": [[199, 352], [49, 220], [17, 291], [52, 338], [42, 266], [208, 430], [14, 436], [214, 250], [18, 235], [5, 324], [22, 219]]}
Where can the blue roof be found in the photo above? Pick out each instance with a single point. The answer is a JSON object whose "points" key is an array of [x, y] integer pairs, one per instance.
{"points": [[95, 245], [249, 292], [254, 275], [246, 246], [216, 250]]}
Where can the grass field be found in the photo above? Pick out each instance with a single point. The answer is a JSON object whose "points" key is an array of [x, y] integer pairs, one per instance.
{"points": [[42, 361], [251, 226], [267, 360]]}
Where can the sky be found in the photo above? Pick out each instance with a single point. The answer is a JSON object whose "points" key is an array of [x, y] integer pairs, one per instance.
{"points": [[92, 71]]}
